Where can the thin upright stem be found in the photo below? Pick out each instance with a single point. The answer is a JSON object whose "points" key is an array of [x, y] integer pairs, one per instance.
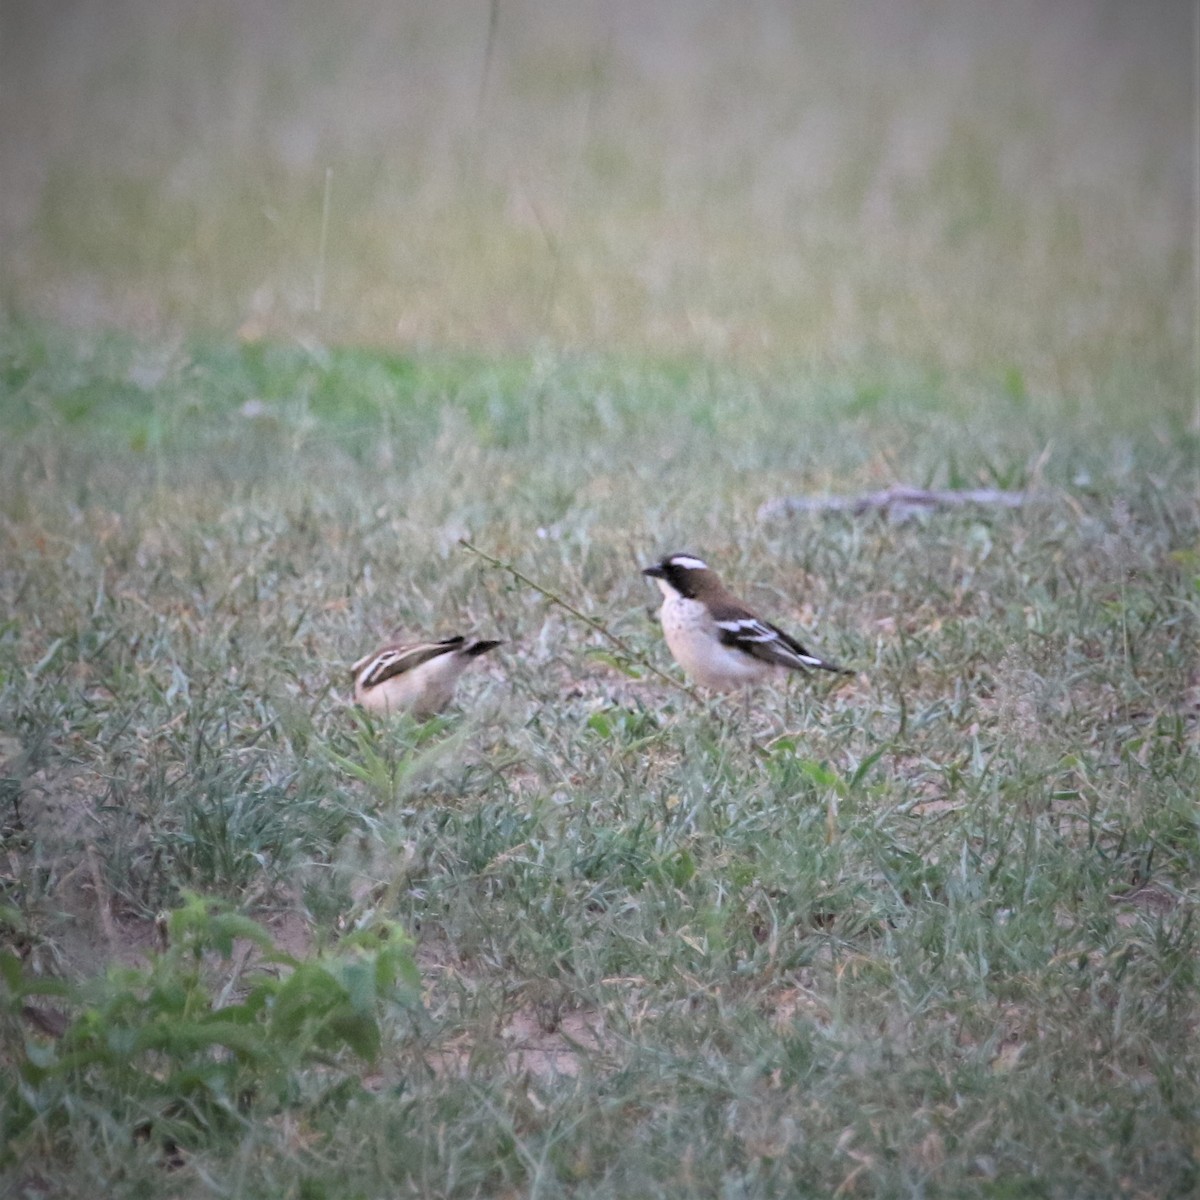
{"points": [[590, 622]]}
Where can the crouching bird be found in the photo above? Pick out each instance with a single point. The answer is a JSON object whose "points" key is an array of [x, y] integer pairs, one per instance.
{"points": [[416, 677], [715, 638]]}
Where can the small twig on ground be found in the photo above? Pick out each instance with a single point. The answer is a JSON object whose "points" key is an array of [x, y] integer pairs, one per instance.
{"points": [[900, 502], [590, 622]]}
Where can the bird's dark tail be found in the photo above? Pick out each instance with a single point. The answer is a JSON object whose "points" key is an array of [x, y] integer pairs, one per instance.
{"points": [[480, 647]]}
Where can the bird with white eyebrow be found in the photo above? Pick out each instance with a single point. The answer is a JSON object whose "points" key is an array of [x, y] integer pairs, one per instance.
{"points": [[715, 638], [416, 677]]}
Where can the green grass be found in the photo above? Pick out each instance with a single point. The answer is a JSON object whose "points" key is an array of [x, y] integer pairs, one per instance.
{"points": [[871, 936], [594, 294]]}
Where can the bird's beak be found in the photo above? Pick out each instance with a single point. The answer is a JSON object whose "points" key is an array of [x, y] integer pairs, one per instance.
{"points": [[655, 572]]}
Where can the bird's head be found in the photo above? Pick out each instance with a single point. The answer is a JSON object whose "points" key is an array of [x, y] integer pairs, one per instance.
{"points": [[683, 575]]}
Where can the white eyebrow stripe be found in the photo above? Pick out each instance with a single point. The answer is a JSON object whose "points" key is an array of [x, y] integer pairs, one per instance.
{"points": [[688, 563]]}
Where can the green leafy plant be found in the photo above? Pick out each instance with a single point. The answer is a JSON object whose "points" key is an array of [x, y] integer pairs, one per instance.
{"points": [[193, 1044]]}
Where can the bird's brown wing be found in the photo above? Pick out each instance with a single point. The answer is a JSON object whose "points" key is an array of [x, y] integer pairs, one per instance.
{"points": [[388, 661], [740, 628]]}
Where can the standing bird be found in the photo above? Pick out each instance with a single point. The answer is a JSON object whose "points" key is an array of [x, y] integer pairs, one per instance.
{"points": [[417, 677], [715, 638]]}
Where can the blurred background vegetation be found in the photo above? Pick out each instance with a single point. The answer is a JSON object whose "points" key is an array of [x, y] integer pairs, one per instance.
{"points": [[962, 185]]}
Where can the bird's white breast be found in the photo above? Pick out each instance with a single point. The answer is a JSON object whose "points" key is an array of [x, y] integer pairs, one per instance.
{"points": [[694, 640]]}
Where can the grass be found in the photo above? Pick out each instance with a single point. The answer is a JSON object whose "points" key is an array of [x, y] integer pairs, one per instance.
{"points": [[927, 932], [591, 287]]}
